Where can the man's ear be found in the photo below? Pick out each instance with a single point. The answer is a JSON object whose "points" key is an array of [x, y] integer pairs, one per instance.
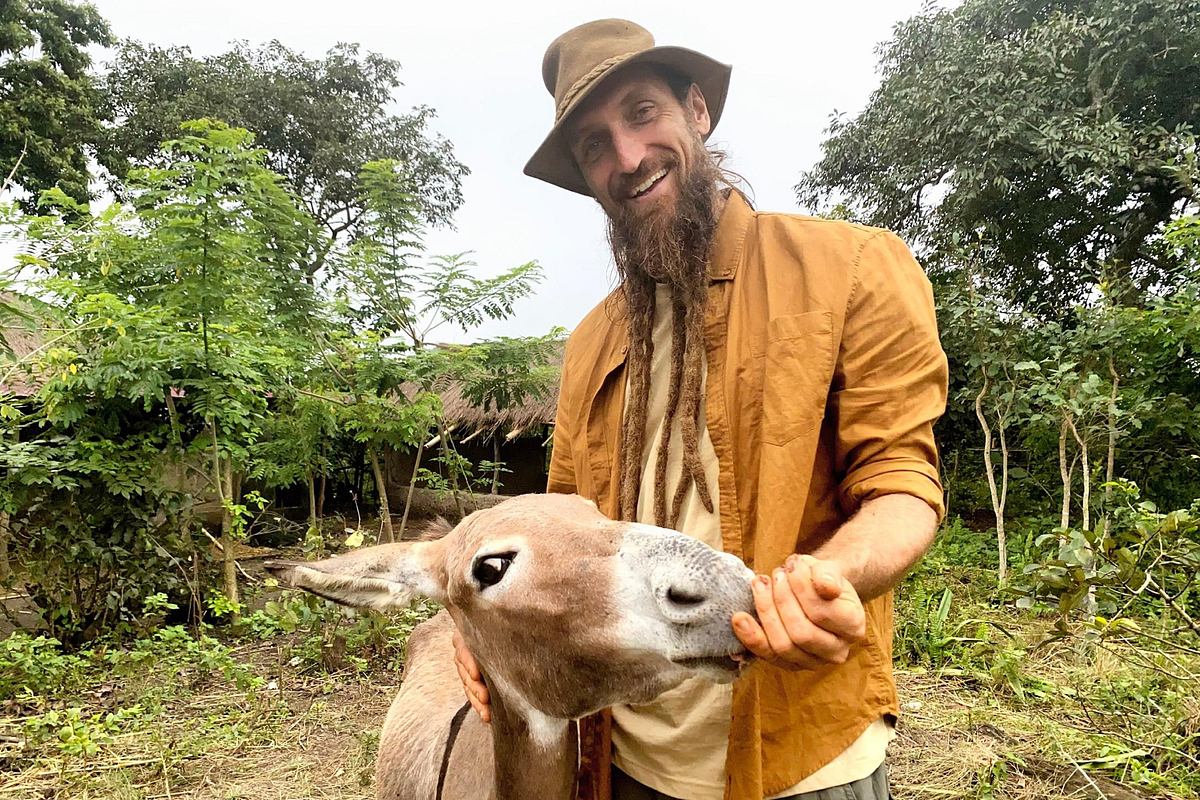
{"points": [[385, 577], [697, 109]]}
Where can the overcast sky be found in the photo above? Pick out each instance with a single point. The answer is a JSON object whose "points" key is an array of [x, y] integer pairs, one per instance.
{"points": [[479, 65]]}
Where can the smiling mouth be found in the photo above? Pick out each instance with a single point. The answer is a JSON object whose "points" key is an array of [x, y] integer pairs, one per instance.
{"points": [[645, 186]]}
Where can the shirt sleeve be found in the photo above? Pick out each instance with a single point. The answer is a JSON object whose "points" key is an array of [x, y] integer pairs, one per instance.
{"points": [[891, 381], [561, 478]]}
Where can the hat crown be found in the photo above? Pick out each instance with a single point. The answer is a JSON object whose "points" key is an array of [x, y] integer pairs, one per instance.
{"points": [[579, 52]]}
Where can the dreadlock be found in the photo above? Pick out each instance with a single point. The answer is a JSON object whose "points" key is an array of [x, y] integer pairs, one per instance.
{"points": [[674, 251]]}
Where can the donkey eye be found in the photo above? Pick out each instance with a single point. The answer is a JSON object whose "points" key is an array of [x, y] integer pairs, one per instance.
{"points": [[488, 571]]}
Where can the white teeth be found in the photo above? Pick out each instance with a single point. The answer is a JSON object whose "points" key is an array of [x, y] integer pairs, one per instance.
{"points": [[646, 184]]}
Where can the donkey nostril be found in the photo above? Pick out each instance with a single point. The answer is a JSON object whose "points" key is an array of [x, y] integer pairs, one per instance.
{"points": [[682, 597]]}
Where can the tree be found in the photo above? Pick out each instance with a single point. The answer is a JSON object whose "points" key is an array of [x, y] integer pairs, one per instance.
{"points": [[48, 105], [318, 121], [506, 372], [1062, 134], [990, 343], [293, 447], [386, 292], [189, 311]]}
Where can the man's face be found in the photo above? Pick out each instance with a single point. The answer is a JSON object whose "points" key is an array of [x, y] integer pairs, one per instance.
{"points": [[635, 142]]}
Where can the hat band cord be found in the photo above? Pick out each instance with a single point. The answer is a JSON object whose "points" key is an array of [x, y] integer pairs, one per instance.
{"points": [[586, 80]]}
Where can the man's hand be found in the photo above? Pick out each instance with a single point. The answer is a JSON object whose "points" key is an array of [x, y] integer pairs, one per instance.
{"points": [[472, 679], [809, 615]]}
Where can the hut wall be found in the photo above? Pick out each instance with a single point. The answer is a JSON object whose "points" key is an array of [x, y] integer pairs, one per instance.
{"points": [[525, 457]]}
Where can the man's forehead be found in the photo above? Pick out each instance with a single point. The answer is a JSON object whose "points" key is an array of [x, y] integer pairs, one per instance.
{"points": [[615, 92]]}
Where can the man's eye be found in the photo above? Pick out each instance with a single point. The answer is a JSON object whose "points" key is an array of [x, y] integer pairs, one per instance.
{"points": [[590, 150], [643, 112], [490, 570]]}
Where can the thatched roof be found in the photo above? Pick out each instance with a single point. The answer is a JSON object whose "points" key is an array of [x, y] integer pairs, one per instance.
{"points": [[472, 421], [21, 337]]}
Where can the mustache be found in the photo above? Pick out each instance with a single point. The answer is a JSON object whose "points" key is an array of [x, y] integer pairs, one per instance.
{"points": [[624, 184]]}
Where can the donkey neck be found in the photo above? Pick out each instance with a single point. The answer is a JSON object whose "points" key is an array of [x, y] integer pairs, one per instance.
{"points": [[535, 755]]}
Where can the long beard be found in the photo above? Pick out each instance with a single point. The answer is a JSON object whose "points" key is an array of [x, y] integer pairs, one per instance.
{"points": [[669, 246]]}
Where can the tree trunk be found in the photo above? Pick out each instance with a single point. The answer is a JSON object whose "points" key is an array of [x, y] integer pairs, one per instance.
{"points": [[312, 500], [222, 478], [385, 512], [1089, 605], [321, 497], [990, 472], [444, 435], [496, 463], [5, 536], [1001, 536], [197, 581], [1086, 474], [412, 484], [228, 545], [1111, 459], [6, 522], [1064, 472]]}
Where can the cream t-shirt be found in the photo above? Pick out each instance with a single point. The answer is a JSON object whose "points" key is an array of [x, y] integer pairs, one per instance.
{"points": [[676, 743]]}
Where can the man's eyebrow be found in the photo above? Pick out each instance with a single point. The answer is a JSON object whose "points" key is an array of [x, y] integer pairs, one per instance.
{"points": [[635, 93], [583, 133]]}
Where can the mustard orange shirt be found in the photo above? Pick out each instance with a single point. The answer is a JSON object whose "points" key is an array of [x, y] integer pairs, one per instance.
{"points": [[824, 378]]}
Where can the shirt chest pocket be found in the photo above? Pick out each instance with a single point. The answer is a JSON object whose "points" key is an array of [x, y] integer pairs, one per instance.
{"points": [[796, 362]]}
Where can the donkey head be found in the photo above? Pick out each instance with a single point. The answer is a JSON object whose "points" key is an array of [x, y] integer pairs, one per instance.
{"points": [[564, 608]]}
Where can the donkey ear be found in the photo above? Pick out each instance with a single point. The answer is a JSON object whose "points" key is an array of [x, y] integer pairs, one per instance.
{"points": [[385, 577]]}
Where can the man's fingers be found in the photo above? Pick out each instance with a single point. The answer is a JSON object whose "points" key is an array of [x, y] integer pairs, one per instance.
{"points": [[464, 659], [783, 650], [827, 585], [472, 679], [473, 685], [828, 599], [751, 634], [804, 635], [768, 617]]}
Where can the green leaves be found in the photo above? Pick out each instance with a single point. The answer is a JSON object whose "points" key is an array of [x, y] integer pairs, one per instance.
{"points": [[1061, 137], [48, 104], [317, 119]]}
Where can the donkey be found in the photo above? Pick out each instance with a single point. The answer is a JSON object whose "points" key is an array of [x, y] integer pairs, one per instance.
{"points": [[566, 611]]}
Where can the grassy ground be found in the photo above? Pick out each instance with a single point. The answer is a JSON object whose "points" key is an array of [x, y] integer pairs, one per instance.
{"points": [[301, 733], [292, 707]]}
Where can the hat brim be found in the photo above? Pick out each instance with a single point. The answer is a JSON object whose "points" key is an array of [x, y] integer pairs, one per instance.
{"points": [[553, 162]]}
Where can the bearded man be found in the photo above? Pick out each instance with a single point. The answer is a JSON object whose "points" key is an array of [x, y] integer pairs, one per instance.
{"points": [[765, 382]]}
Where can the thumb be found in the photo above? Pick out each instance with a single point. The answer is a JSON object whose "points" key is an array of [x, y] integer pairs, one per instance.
{"points": [[827, 581]]}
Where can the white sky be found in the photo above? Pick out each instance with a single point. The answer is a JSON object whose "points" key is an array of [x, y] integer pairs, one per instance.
{"points": [[479, 65]]}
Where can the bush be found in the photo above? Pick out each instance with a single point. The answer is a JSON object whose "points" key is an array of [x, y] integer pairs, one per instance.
{"points": [[37, 665], [89, 557]]}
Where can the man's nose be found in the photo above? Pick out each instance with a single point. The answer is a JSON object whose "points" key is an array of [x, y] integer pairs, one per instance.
{"points": [[630, 152]]}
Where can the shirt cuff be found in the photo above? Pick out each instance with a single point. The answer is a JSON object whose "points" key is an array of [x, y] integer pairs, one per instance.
{"points": [[895, 476]]}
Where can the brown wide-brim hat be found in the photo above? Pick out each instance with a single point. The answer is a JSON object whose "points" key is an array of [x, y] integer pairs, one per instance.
{"points": [[580, 60]]}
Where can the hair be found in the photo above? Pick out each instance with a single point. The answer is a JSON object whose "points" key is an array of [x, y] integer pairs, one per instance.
{"points": [[673, 251]]}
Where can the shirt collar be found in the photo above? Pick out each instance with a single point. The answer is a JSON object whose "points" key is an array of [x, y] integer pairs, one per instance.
{"points": [[730, 238]]}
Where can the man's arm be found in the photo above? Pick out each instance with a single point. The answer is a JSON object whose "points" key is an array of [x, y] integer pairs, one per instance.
{"points": [[888, 389], [810, 610], [881, 543]]}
